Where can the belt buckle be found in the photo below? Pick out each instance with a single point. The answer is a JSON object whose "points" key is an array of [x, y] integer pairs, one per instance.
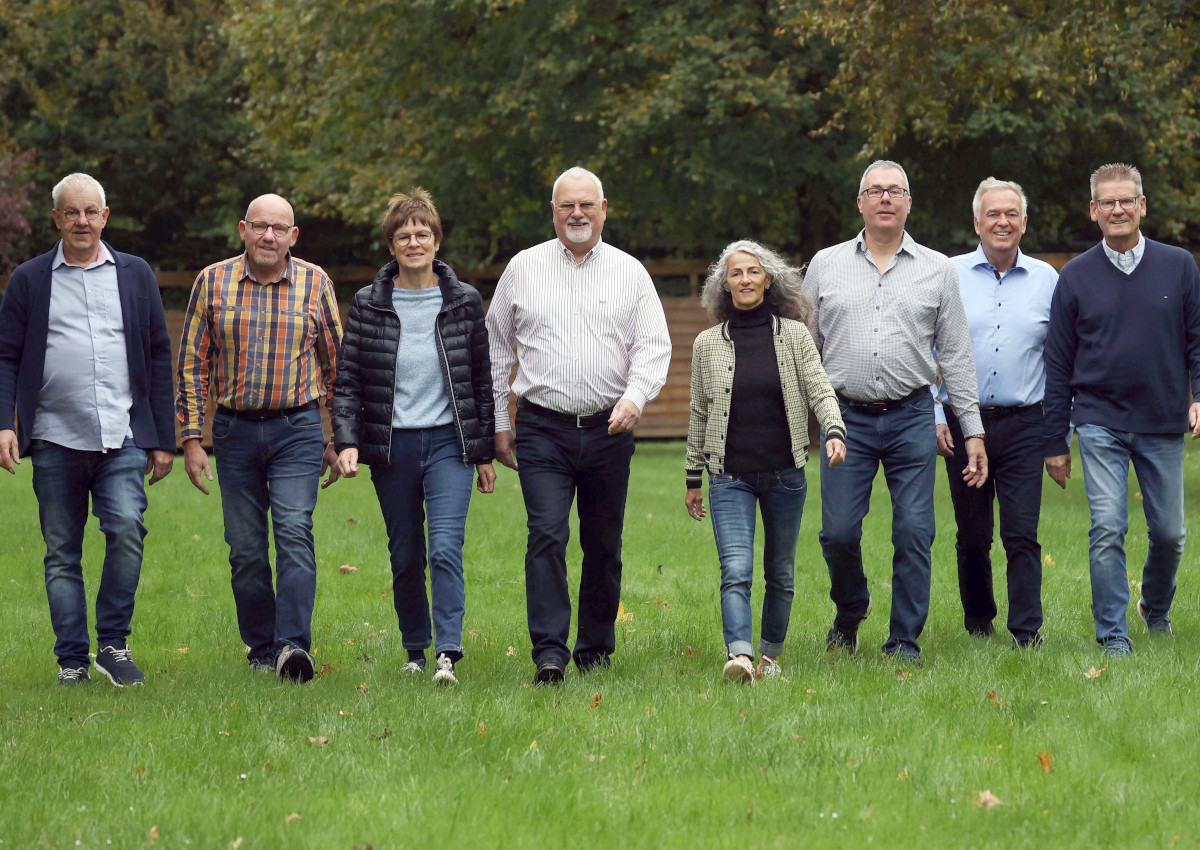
{"points": [[579, 417]]}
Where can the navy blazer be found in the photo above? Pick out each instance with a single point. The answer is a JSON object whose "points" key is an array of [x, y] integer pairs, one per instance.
{"points": [[24, 324]]}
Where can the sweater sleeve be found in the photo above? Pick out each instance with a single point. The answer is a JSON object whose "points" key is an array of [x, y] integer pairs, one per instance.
{"points": [[698, 419], [1060, 349]]}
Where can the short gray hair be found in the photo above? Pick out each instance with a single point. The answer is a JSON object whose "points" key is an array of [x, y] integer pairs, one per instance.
{"points": [[785, 296], [877, 164], [1116, 171], [990, 184], [77, 182], [577, 171]]}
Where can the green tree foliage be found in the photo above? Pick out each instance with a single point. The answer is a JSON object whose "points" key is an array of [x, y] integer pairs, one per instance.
{"points": [[143, 95], [697, 115], [14, 200], [1038, 91]]}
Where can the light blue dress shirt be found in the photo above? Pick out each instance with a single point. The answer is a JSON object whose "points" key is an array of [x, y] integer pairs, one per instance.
{"points": [[85, 397], [1126, 261], [1008, 315]]}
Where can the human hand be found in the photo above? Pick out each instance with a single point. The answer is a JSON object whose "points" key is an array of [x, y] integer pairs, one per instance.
{"points": [[486, 481], [695, 503], [624, 416], [195, 464], [505, 444], [1059, 469], [977, 465], [945, 442], [160, 463], [835, 450], [10, 455]]}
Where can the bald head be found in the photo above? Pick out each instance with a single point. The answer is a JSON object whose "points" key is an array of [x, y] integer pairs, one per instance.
{"points": [[270, 204]]}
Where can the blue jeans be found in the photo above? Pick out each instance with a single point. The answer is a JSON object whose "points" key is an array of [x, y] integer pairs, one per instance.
{"points": [[272, 466], [1158, 461], [556, 462], [63, 479], [732, 499], [905, 442], [426, 480]]}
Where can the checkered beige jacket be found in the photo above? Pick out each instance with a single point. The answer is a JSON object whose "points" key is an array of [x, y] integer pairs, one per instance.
{"points": [[805, 387]]}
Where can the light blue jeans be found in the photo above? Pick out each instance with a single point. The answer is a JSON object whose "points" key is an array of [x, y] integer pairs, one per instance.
{"points": [[732, 499], [1158, 461]]}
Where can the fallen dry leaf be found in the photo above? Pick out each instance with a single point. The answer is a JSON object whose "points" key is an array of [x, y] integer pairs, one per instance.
{"points": [[511, 651], [223, 734], [622, 614], [1048, 561], [294, 816], [320, 741], [796, 737], [236, 843], [594, 757], [533, 746], [595, 701], [902, 674], [363, 688], [183, 650], [987, 799], [482, 730], [995, 700], [347, 568], [351, 519], [1093, 673], [1046, 761], [687, 650], [153, 836], [386, 733]]}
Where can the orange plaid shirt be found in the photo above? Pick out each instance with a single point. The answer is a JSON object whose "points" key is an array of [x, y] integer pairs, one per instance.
{"points": [[256, 346]]}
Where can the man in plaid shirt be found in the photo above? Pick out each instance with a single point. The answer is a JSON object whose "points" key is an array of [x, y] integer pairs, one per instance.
{"points": [[261, 335]]}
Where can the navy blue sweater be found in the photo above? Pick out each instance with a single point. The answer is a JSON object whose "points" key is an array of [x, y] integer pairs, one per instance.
{"points": [[1123, 350]]}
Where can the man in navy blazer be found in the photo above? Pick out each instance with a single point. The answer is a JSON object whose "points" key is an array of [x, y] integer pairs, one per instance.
{"points": [[86, 391]]}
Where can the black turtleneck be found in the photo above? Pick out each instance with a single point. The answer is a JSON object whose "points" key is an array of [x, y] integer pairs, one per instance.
{"points": [[758, 439]]}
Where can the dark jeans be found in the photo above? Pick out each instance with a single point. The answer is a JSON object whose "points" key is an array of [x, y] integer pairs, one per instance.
{"points": [[63, 479], [270, 466], [1015, 458], [426, 482], [904, 441], [556, 462]]}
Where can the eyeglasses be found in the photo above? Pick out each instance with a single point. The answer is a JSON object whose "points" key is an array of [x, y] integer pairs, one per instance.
{"points": [[261, 227], [73, 215], [877, 192], [585, 208], [422, 237], [1107, 204]]}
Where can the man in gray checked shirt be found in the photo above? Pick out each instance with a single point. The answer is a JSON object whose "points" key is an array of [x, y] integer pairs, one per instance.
{"points": [[882, 303]]}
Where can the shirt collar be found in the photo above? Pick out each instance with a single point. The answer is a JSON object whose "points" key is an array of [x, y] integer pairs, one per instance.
{"points": [[979, 258], [906, 243], [570, 255], [242, 271], [1137, 251], [103, 257]]}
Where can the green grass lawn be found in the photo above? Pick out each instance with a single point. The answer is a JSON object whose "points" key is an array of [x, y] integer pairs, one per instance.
{"points": [[658, 751]]}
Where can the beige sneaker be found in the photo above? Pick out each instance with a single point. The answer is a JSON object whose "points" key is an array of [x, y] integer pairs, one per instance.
{"points": [[739, 669]]}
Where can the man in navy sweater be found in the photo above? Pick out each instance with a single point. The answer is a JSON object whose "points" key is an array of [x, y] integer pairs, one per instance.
{"points": [[1122, 365]]}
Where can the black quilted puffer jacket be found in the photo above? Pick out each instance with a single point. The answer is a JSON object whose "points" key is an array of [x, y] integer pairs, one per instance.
{"points": [[365, 386]]}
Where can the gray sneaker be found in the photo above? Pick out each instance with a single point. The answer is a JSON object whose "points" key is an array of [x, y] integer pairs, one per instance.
{"points": [[117, 665], [73, 675], [444, 674], [294, 664], [1160, 628], [1116, 647]]}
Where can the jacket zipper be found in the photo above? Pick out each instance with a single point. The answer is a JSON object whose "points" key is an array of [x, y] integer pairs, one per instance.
{"points": [[437, 327]]}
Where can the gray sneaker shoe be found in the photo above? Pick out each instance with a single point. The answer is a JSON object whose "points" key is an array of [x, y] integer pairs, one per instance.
{"points": [[294, 664], [1160, 628], [73, 675], [444, 674], [1116, 647], [768, 668], [846, 637], [117, 665]]}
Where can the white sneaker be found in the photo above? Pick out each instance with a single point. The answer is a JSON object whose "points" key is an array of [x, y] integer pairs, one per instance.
{"points": [[444, 675], [413, 668], [768, 668], [738, 669]]}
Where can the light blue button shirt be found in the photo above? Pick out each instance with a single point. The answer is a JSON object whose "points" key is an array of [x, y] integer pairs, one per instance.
{"points": [[1128, 260], [85, 397], [1008, 315]]}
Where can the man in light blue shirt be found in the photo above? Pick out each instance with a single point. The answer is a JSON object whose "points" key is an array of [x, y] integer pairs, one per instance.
{"points": [[1006, 295]]}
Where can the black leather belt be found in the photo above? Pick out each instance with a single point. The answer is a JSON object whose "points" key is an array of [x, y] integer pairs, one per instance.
{"points": [[264, 415], [874, 408], [999, 412], [575, 420]]}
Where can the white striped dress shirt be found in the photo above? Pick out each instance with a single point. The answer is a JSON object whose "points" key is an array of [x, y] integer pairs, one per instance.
{"points": [[585, 335]]}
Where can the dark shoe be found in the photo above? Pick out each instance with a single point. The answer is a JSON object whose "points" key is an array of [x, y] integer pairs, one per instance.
{"points": [[444, 674], [981, 630], [118, 666], [1160, 628], [1027, 641], [1117, 647], [595, 662], [73, 675], [903, 654], [845, 637], [294, 664], [549, 672]]}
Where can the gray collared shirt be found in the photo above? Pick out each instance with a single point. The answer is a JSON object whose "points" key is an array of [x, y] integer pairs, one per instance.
{"points": [[1126, 261], [876, 332], [85, 397]]}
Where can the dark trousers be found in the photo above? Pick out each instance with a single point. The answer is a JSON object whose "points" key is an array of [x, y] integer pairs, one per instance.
{"points": [[556, 463], [1014, 450]]}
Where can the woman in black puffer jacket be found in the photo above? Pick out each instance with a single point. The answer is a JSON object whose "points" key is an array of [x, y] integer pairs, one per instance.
{"points": [[413, 400]]}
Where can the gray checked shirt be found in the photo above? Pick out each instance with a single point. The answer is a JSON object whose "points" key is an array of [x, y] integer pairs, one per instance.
{"points": [[876, 332]]}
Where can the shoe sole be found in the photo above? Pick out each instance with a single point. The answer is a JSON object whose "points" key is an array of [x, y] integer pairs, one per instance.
{"points": [[549, 676], [113, 678], [442, 677], [736, 673], [297, 668]]}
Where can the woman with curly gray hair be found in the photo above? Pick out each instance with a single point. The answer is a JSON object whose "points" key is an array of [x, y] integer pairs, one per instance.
{"points": [[755, 376]]}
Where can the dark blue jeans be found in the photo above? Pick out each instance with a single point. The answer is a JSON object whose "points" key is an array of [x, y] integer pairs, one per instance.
{"points": [[1015, 458], [270, 466], [426, 481], [63, 480], [904, 441], [556, 462], [734, 502]]}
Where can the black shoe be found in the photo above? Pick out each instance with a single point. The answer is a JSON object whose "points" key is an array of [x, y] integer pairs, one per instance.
{"points": [[549, 672], [981, 630], [73, 675], [118, 666], [294, 664], [594, 662], [846, 637], [904, 654], [1028, 641]]}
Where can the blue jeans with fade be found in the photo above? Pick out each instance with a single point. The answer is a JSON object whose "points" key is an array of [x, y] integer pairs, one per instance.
{"points": [[904, 441], [1158, 461], [426, 484], [271, 467], [732, 501], [63, 481]]}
